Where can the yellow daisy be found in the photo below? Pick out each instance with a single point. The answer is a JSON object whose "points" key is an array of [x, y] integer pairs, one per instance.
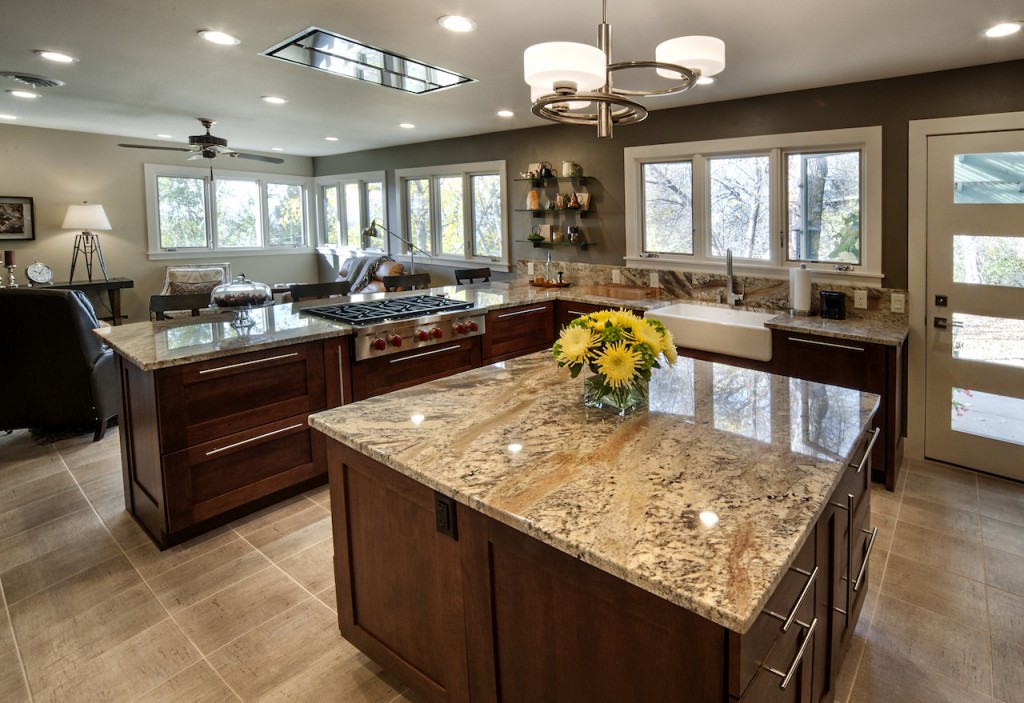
{"points": [[644, 333], [619, 364], [669, 348], [577, 343]]}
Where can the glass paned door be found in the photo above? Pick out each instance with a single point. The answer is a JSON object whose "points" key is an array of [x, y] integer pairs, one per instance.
{"points": [[974, 408]]}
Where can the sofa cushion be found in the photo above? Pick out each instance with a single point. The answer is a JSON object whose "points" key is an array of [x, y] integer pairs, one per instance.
{"points": [[186, 281], [364, 273]]}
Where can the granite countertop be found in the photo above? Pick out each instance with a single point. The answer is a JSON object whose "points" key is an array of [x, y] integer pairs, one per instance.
{"points": [[705, 500], [156, 345]]}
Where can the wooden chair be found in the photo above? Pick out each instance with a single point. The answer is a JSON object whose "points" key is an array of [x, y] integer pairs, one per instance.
{"points": [[312, 291], [410, 281], [195, 278], [468, 275], [160, 305]]}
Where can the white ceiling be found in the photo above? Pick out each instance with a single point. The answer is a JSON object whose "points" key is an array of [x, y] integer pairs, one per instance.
{"points": [[143, 70]]}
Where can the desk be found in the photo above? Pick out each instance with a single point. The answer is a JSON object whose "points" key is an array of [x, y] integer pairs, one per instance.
{"points": [[112, 287]]}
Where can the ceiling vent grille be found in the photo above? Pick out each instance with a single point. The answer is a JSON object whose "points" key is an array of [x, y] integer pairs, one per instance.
{"points": [[32, 81]]}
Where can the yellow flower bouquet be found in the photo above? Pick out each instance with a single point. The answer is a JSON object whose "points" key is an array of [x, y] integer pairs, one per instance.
{"points": [[619, 350]]}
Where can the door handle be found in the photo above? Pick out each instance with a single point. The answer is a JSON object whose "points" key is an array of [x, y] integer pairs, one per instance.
{"points": [[940, 323]]}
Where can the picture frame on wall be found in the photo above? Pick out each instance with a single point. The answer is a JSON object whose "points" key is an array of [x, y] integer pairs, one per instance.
{"points": [[17, 220]]}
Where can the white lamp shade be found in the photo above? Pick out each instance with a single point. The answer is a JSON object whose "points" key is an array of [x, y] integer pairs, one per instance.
{"points": [[705, 55], [536, 92], [549, 63], [86, 217]]}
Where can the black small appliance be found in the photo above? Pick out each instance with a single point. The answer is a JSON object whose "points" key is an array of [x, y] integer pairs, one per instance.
{"points": [[833, 305]]}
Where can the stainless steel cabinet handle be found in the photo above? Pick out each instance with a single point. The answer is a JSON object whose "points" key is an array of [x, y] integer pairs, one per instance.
{"points": [[521, 312], [422, 354], [826, 344], [867, 555], [247, 363], [576, 312], [787, 676], [867, 452], [254, 439], [788, 620]]}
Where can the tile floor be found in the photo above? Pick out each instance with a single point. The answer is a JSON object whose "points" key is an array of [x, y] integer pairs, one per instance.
{"points": [[93, 612]]}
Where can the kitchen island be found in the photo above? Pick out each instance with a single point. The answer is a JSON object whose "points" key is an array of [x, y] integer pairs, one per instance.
{"points": [[495, 540]]}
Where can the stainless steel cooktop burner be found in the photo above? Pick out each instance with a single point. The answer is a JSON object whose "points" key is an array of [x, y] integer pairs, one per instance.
{"points": [[377, 311]]}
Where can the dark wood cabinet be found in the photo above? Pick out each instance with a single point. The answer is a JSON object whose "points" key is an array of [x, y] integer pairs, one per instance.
{"points": [[566, 311], [384, 374], [518, 330]]}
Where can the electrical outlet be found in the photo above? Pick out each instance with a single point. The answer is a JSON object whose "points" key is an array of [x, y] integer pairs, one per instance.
{"points": [[860, 299], [898, 302], [529, 267], [616, 276], [654, 279]]}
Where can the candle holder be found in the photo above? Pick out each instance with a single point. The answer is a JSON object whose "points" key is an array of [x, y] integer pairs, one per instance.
{"points": [[11, 283]]}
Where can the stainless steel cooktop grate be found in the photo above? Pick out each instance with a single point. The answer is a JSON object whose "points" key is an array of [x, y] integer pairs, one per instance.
{"points": [[377, 311]]}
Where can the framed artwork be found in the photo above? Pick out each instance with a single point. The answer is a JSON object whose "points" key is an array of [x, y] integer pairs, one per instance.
{"points": [[16, 218]]}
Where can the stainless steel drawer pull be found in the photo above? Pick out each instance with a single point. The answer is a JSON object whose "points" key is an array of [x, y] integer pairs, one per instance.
{"points": [[422, 354], [787, 676], [788, 620], [577, 312], [867, 555], [254, 439], [522, 312], [867, 452], [826, 344], [247, 363]]}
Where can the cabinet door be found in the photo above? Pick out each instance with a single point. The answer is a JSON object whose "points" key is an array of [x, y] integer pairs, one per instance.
{"points": [[516, 331], [389, 373], [566, 311]]}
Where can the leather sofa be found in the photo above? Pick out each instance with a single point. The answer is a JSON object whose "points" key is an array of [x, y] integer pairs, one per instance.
{"points": [[366, 274], [56, 372]]}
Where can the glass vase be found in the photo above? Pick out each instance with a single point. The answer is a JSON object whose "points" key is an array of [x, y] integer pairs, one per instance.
{"points": [[620, 401]]}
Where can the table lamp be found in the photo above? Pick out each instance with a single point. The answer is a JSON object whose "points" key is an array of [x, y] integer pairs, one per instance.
{"points": [[87, 217]]}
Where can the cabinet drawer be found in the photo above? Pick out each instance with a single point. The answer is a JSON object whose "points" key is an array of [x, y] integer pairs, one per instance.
{"points": [[389, 373], [785, 656], [210, 399], [754, 646], [566, 311], [517, 331], [212, 478]]}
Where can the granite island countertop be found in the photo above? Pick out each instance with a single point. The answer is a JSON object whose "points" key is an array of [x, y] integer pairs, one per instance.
{"points": [[703, 500]]}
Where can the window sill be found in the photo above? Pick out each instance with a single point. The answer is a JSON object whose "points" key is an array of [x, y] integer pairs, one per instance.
{"points": [[821, 275], [227, 253]]}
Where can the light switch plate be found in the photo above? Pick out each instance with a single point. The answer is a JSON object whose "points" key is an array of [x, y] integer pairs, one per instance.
{"points": [[860, 299], [654, 279], [898, 302], [616, 276], [529, 267]]}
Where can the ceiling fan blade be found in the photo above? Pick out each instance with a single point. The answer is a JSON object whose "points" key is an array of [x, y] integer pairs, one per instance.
{"points": [[256, 157], [164, 148]]}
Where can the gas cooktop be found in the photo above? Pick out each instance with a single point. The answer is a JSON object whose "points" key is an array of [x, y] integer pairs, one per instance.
{"points": [[377, 311]]}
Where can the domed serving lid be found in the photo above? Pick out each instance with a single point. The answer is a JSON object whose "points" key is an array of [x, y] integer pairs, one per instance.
{"points": [[240, 293]]}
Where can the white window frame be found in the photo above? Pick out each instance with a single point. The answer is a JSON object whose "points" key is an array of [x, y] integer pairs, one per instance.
{"points": [[340, 181], [466, 171], [866, 140], [154, 171]]}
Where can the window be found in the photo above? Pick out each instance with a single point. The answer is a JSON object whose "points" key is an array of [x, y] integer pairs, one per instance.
{"points": [[457, 212], [348, 204], [775, 201], [188, 211]]}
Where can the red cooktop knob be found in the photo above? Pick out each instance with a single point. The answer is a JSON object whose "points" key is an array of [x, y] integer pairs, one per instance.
{"points": [[422, 335], [396, 340], [460, 328], [437, 333], [473, 327], [379, 344]]}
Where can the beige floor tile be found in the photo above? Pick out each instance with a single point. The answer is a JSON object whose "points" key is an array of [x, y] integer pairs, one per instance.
{"points": [[1005, 506], [931, 642], [196, 684], [200, 578], [151, 562], [45, 555], [293, 534], [13, 687], [886, 525], [1007, 671], [877, 567], [27, 515], [329, 597], [961, 556], [938, 490], [343, 675], [125, 672], [320, 495], [254, 522], [883, 502], [106, 495], [26, 462], [885, 677], [1005, 571], [265, 658], [213, 622], [1004, 536], [994, 484], [940, 518], [952, 474], [88, 460], [1006, 613], [312, 567], [937, 590], [13, 495], [409, 696]]}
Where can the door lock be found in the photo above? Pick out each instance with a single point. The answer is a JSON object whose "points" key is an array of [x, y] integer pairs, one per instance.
{"points": [[941, 301], [940, 323]]}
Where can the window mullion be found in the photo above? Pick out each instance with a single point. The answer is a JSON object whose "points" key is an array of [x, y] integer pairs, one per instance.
{"points": [[701, 207], [211, 213], [468, 217], [777, 202]]}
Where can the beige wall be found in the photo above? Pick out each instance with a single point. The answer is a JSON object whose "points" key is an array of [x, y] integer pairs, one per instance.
{"points": [[58, 168]]}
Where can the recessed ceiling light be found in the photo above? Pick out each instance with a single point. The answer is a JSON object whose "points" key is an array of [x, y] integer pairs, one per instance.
{"points": [[28, 95], [331, 139], [8, 117], [219, 37], [705, 80], [164, 136], [276, 148], [56, 56], [407, 125], [274, 100], [1004, 29], [456, 23], [506, 113]]}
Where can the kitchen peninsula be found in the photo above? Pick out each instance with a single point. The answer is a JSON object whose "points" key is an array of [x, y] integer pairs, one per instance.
{"points": [[495, 540]]}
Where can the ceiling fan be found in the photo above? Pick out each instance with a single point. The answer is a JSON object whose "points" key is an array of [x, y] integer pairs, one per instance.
{"points": [[207, 146]]}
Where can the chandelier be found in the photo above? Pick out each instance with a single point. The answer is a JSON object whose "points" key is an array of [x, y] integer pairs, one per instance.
{"points": [[572, 83]]}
